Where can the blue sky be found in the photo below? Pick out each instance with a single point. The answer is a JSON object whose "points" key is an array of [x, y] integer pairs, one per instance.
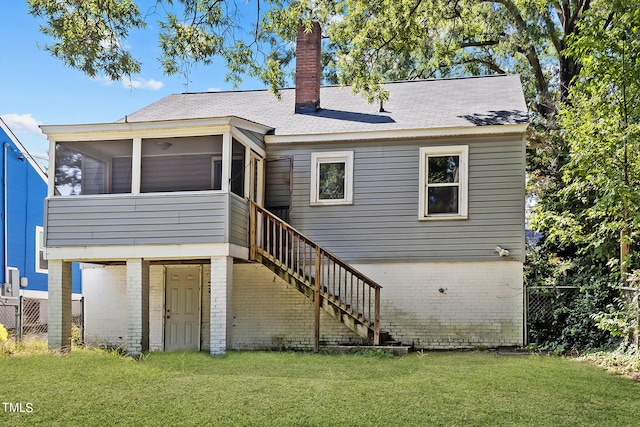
{"points": [[38, 89]]}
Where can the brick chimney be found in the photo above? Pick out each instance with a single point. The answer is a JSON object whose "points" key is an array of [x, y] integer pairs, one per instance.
{"points": [[308, 69]]}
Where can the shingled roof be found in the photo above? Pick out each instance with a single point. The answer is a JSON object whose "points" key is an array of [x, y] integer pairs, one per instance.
{"points": [[417, 104]]}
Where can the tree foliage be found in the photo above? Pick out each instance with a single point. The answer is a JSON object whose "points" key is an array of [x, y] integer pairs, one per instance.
{"points": [[600, 123], [368, 41], [591, 212], [88, 34]]}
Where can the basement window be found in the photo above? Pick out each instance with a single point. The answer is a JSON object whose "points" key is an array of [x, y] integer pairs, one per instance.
{"points": [[443, 182], [332, 178]]}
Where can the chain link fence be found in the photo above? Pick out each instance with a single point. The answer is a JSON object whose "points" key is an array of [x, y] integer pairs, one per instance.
{"points": [[29, 317], [541, 304]]}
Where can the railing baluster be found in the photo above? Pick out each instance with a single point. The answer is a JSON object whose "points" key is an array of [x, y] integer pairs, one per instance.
{"points": [[279, 239], [268, 235], [289, 250], [369, 301], [304, 260], [276, 240], [336, 278], [351, 290]]}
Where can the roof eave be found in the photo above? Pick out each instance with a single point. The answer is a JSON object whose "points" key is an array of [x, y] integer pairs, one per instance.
{"points": [[503, 129], [124, 129], [23, 150]]}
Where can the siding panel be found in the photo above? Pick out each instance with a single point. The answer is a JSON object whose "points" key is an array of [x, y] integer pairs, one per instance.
{"points": [[239, 221], [146, 219], [382, 223], [278, 174]]}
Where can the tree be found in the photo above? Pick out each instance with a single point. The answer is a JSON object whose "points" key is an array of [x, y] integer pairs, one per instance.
{"points": [[601, 122], [370, 41]]}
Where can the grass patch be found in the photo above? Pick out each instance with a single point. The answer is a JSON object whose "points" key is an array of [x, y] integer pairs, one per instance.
{"points": [[93, 387], [29, 345], [622, 361]]}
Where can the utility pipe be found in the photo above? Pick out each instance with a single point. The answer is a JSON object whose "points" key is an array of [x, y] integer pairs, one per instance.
{"points": [[5, 228]]}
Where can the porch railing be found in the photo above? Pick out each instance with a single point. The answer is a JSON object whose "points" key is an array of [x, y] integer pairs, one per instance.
{"points": [[333, 281]]}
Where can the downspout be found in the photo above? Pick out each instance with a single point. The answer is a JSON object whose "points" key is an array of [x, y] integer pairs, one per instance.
{"points": [[5, 225]]}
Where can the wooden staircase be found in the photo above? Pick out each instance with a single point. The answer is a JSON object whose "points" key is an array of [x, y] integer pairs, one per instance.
{"points": [[332, 284]]}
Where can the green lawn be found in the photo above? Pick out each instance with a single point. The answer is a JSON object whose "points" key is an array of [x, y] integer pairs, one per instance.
{"points": [[90, 387]]}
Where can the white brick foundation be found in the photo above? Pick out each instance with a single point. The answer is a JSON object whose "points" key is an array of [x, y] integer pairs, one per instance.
{"points": [[206, 308], [59, 334], [156, 307], [137, 291], [271, 314], [482, 303], [105, 297], [220, 312]]}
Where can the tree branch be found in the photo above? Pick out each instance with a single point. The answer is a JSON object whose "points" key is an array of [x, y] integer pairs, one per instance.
{"points": [[479, 43], [553, 34], [583, 5], [393, 37], [491, 65], [547, 104]]}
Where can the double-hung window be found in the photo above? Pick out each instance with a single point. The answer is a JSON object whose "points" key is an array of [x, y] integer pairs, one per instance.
{"points": [[332, 178], [443, 182], [42, 265]]}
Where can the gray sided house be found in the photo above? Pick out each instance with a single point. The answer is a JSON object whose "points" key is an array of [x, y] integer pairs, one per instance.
{"points": [[234, 220]]}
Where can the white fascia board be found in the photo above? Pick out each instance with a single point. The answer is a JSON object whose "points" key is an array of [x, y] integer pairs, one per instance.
{"points": [[91, 254], [249, 125], [23, 150], [398, 134], [167, 128]]}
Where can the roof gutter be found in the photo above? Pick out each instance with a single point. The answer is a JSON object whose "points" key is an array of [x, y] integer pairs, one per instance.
{"points": [[398, 134]]}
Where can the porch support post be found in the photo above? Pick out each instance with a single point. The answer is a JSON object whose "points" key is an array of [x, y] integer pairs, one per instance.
{"points": [[137, 306], [221, 300], [136, 165], [59, 305], [227, 155]]}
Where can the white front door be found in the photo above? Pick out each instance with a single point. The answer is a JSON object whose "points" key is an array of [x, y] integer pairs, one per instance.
{"points": [[182, 309]]}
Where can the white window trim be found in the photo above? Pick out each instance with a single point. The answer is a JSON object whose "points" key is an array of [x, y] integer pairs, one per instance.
{"points": [[451, 150], [331, 157], [40, 247]]}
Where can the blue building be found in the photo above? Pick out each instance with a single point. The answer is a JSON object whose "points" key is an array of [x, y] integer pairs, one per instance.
{"points": [[23, 190]]}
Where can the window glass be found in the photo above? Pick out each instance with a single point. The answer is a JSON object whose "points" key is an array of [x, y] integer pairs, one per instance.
{"points": [[96, 167], [443, 200], [443, 169], [181, 164], [237, 168], [442, 180], [331, 181]]}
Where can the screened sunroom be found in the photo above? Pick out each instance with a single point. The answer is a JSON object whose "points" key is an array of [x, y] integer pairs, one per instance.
{"points": [[152, 183]]}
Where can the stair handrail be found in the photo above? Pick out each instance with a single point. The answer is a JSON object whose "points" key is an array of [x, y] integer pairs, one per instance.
{"points": [[257, 245]]}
